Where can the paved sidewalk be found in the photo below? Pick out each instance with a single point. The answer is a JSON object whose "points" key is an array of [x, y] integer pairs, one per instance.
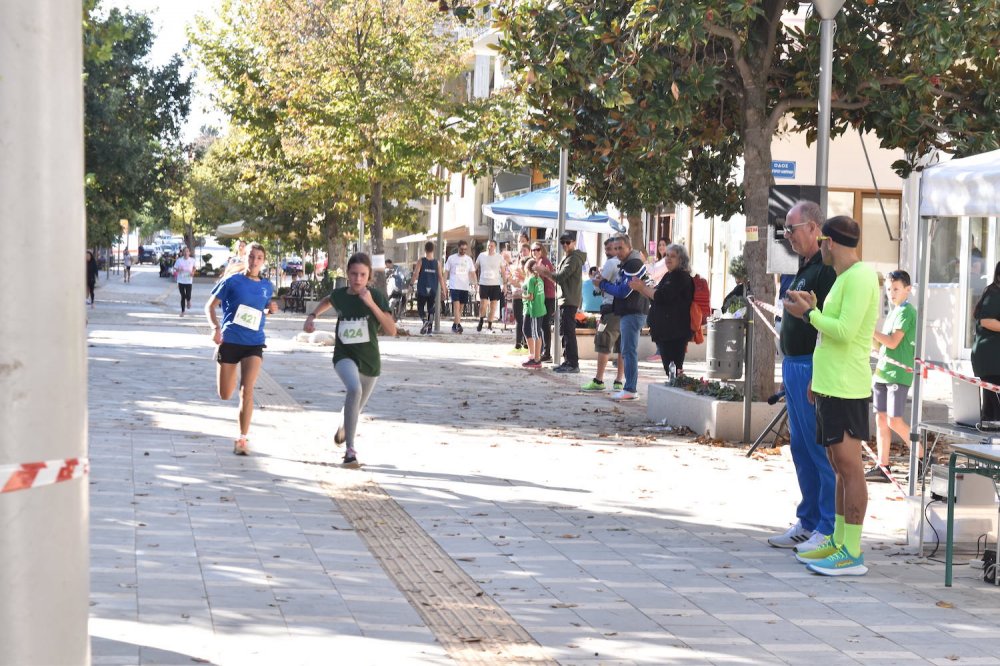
{"points": [[501, 516]]}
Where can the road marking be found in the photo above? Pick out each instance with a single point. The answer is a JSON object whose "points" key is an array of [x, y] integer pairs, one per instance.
{"points": [[468, 623]]}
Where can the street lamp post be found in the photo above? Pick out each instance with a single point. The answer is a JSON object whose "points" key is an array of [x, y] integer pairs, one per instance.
{"points": [[827, 10]]}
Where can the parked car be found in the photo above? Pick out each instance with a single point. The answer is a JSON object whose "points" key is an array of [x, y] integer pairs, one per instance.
{"points": [[148, 254], [292, 266]]}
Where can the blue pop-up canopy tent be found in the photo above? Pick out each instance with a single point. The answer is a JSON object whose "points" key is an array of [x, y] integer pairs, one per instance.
{"points": [[541, 209]]}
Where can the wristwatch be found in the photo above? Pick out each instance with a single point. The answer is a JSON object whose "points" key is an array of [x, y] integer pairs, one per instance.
{"points": [[807, 314]]}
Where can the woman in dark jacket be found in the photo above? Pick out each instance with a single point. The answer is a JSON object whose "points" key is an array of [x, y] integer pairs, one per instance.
{"points": [[986, 346], [92, 272], [670, 315]]}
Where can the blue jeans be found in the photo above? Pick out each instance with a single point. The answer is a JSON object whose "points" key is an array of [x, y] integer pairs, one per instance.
{"points": [[630, 326], [817, 482]]}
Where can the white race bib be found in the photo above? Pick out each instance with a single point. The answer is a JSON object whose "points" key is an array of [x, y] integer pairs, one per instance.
{"points": [[353, 331], [248, 317]]}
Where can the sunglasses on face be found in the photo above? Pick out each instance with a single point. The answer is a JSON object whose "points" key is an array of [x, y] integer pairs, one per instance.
{"points": [[790, 228], [822, 238], [565, 242]]}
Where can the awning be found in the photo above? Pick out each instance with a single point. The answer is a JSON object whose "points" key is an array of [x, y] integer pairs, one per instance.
{"points": [[967, 186], [541, 209], [230, 229]]}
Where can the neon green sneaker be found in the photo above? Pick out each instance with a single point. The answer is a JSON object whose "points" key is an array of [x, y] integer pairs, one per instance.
{"points": [[824, 549], [617, 386], [593, 385], [841, 563]]}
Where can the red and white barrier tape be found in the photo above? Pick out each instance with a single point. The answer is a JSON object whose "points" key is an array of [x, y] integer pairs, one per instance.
{"points": [[767, 307], [885, 470], [965, 378], [762, 318], [45, 473]]}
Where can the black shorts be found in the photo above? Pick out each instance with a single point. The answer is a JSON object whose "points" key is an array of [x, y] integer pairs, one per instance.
{"points": [[837, 416], [459, 296], [230, 352], [489, 292]]}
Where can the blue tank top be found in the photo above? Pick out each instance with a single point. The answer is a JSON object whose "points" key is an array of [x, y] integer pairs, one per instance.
{"points": [[427, 282]]}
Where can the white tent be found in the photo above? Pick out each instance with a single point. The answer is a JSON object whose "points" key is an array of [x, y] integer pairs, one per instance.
{"points": [[967, 186], [230, 230]]}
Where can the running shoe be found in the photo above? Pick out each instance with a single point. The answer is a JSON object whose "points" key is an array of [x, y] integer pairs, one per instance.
{"points": [[815, 541], [479, 327], [460, 329], [876, 475], [623, 395], [241, 447], [454, 328], [546, 358], [655, 358], [617, 385], [593, 385], [824, 549], [792, 537], [527, 363], [567, 369], [841, 563], [340, 436], [518, 351], [351, 459], [532, 365]]}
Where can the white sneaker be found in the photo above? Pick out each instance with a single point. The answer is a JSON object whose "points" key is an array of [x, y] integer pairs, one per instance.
{"points": [[624, 395], [792, 537], [812, 543]]}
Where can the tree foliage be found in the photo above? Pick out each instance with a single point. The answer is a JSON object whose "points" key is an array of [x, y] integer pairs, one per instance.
{"points": [[132, 122]]}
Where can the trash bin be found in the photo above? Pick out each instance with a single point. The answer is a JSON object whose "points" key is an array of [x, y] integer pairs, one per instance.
{"points": [[724, 353]]}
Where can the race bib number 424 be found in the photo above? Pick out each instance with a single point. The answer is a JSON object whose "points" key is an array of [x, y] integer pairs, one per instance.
{"points": [[353, 331]]}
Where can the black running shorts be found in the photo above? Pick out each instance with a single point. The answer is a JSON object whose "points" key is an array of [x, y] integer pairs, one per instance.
{"points": [[836, 417], [229, 352]]}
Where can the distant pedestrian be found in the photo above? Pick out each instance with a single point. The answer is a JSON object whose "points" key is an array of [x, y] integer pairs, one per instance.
{"points": [[246, 300], [606, 339], [533, 293], [569, 276], [670, 315], [361, 310], [184, 270], [541, 254], [460, 272], [631, 305], [489, 267], [427, 277], [237, 261], [515, 278], [127, 265], [92, 273]]}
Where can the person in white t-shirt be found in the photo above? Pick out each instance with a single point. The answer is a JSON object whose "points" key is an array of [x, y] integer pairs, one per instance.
{"points": [[460, 271], [184, 270], [127, 263], [489, 266]]}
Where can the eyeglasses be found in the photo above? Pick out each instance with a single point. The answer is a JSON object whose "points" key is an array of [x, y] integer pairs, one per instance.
{"points": [[790, 228], [565, 242], [822, 238]]}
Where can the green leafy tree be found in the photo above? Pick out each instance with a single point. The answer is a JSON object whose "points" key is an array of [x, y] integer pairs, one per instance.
{"points": [[662, 101], [133, 116]]}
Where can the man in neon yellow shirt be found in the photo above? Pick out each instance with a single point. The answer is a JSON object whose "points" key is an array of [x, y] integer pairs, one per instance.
{"points": [[841, 388]]}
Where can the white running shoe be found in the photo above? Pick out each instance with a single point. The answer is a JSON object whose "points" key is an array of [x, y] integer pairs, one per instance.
{"points": [[812, 543], [792, 537]]}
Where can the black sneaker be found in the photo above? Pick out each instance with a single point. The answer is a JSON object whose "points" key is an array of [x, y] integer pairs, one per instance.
{"points": [[546, 358], [568, 369], [454, 328], [351, 460], [479, 328], [876, 475], [460, 329]]}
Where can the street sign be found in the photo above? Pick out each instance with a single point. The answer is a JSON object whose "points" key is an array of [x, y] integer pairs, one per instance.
{"points": [[782, 169]]}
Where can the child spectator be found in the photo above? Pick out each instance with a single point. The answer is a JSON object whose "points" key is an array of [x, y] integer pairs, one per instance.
{"points": [[892, 383], [534, 311]]}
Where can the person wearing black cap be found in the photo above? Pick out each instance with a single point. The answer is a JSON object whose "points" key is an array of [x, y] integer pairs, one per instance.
{"points": [[569, 276], [842, 386]]}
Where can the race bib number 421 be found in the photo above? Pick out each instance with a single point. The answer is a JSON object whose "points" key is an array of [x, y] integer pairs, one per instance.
{"points": [[248, 317], [353, 331]]}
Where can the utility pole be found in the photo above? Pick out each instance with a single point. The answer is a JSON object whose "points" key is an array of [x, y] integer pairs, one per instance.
{"points": [[43, 364]]}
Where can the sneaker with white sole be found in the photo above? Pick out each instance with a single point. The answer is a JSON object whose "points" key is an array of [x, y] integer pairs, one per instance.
{"points": [[823, 551], [792, 537], [623, 395], [812, 543], [841, 563]]}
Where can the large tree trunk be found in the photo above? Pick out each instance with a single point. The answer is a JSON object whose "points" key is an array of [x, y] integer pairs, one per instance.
{"points": [[336, 248], [756, 181], [378, 245], [634, 233]]}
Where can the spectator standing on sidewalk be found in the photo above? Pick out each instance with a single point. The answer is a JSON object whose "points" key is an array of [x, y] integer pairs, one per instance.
{"points": [[670, 314], [606, 339], [817, 482], [541, 254], [427, 276], [489, 269], [569, 277], [92, 273], [842, 388], [246, 299], [460, 272], [891, 385], [516, 278], [631, 306], [127, 265], [184, 270], [986, 345], [361, 310], [533, 293]]}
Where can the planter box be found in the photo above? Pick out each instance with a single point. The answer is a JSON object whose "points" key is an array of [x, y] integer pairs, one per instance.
{"points": [[705, 415], [585, 344]]}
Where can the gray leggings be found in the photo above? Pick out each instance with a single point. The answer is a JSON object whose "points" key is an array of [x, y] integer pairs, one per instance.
{"points": [[359, 389]]}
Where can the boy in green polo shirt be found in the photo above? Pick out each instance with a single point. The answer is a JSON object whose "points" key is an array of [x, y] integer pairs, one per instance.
{"points": [[891, 384]]}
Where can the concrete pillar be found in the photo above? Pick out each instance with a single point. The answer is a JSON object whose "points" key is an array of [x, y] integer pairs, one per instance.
{"points": [[43, 367]]}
